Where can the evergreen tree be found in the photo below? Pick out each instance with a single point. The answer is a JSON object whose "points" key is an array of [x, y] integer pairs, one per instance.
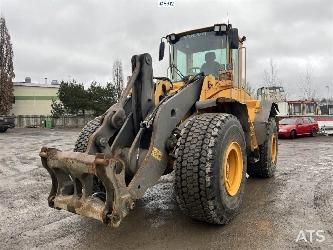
{"points": [[58, 109], [101, 98], [6, 70], [75, 100], [74, 97]]}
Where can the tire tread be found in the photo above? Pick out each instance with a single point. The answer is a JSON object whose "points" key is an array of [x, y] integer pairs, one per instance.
{"points": [[195, 152], [81, 143]]}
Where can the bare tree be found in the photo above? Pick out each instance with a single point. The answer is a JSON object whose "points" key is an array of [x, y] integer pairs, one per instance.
{"points": [[250, 89], [306, 84], [271, 76], [118, 78], [6, 70]]}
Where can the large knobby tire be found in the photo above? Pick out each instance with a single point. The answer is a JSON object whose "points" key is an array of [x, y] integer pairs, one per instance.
{"points": [[207, 143], [81, 143], [266, 166]]}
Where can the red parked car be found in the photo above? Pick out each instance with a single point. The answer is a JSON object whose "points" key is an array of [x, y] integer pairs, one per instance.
{"points": [[295, 126]]}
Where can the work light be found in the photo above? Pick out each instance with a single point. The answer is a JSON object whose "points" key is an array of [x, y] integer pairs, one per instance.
{"points": [[223, 27], [220, 27], [217, 28]]}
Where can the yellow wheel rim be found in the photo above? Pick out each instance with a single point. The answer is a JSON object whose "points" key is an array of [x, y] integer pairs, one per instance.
{"points": [[274, 148], [233, 168]]}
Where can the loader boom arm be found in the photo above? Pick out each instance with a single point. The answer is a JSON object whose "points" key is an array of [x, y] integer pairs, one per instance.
{"points": [[127, 153]]}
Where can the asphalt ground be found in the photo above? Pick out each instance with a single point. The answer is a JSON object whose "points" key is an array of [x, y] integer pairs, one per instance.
{"points": [[296, 203]]}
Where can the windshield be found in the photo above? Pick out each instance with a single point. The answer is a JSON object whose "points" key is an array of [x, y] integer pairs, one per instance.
{"points": [[200, 52], [287, 121]]}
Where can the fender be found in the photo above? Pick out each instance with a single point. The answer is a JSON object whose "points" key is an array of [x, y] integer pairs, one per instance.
{"points": [[268, 109]]}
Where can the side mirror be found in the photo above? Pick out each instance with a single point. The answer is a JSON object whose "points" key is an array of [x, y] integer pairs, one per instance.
{"points": [[161, 51], [233, 38]]}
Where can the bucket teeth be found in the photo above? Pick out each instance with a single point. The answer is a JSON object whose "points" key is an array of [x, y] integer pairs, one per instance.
{"points": [[73, 174]]}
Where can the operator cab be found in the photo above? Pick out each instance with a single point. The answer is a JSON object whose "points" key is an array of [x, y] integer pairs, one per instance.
{"points": [[273, 93], [215, 50]]}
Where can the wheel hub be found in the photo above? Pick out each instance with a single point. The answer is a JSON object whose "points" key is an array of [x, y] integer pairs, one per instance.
{"points": [[233, 168]]}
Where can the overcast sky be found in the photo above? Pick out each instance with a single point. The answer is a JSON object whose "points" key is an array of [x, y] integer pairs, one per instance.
{"points": [[61, 39]]}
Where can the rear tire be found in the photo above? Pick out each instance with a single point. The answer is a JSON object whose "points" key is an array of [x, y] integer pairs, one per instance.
{"points": [[266, 166], [293, 134], [210, 168]]}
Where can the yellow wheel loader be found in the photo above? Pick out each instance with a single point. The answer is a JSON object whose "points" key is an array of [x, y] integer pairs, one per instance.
{"points": [[199, 121]]}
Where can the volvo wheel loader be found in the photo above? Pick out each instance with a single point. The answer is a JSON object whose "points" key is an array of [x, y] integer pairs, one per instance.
{"points": [[199, 121]]}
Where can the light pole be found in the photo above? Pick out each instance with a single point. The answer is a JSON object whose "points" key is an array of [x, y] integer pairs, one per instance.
{"points": [[328, 94]]}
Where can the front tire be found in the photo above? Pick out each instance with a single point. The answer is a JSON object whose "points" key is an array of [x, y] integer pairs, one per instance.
{"points": [[210, 168], [82, 140], [314, 133], [81, 146]]}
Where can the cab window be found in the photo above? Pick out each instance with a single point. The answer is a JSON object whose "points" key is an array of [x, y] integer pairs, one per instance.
{"points": [[201, 52]]}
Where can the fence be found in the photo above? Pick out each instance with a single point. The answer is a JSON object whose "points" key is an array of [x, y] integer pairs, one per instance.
{"points": [[23, 121]]}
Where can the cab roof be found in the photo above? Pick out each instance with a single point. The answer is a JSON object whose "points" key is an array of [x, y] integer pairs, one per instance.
{"points": [[205, 29]]}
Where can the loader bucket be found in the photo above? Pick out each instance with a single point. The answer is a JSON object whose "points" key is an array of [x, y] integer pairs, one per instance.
{"points": [[72, 188]]}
